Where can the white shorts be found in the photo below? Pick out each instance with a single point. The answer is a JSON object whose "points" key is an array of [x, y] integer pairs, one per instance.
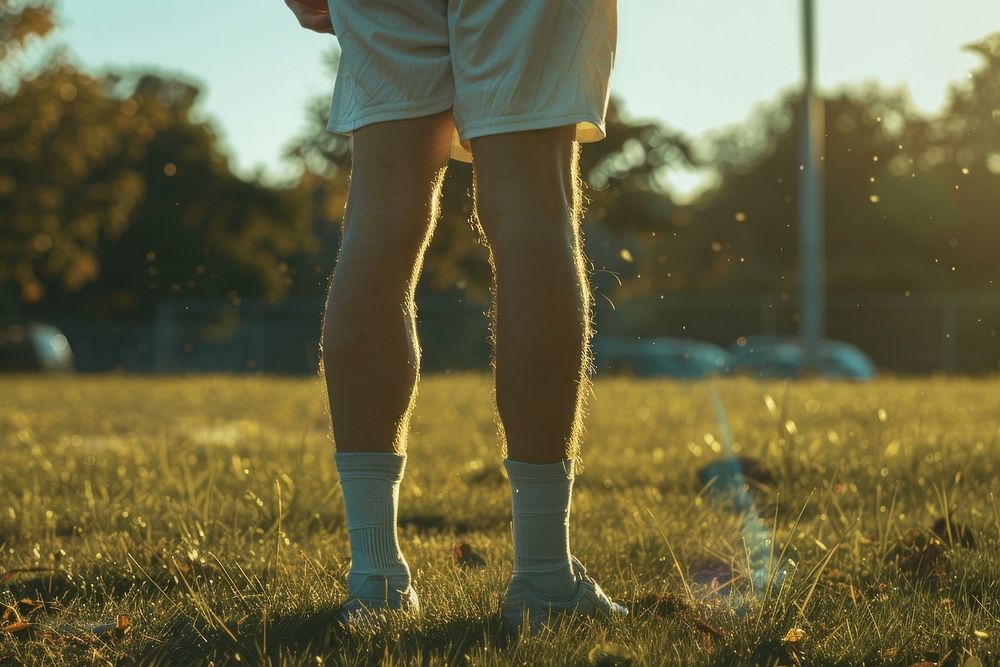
{"points": [[500, 65]]}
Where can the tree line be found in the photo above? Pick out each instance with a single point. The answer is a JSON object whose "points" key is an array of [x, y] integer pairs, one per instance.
{"points": [[114, 195]]}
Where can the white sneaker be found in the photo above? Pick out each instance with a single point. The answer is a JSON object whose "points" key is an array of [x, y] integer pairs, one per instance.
{"points": [[374, 597], [524, 605]]}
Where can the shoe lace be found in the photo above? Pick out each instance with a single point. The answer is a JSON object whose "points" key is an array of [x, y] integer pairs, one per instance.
{"points": [[578, 568]]}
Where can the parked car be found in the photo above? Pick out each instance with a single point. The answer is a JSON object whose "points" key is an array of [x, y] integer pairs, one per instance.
{"points": [[776, 357], [34, 348], [660, 357]]}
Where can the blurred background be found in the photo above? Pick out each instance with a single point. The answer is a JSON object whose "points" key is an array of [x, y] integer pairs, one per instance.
{"points": [[170, 203]]}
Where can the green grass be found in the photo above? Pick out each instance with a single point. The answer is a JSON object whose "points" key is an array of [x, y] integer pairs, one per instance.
{"points": [[206, 510]]}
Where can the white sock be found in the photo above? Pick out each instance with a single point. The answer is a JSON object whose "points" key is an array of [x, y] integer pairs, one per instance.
{"points": [[370, 482], [540, 499]]}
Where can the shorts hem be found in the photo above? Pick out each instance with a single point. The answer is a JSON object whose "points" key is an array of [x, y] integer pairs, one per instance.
{"points": [[386, 113], [532, 121]]}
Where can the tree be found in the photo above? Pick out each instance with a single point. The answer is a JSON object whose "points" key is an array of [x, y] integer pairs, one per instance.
{"points": [[199, 230], [745, 230], [110, 186], [59, 188], [959, 153], [904, 197]]}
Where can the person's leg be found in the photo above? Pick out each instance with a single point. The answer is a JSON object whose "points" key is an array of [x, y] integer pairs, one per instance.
{"points": [[528, 200], [370, 350]]}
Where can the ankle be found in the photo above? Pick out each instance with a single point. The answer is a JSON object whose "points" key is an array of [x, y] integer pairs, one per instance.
{"points": [[380, 584], [555, 582]]}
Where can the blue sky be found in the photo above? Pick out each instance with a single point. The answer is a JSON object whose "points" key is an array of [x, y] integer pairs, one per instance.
{"points": [[697, 65]]}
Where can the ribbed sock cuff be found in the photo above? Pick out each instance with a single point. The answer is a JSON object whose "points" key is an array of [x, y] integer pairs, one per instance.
{"points": [[539, 472], [387, 466]]}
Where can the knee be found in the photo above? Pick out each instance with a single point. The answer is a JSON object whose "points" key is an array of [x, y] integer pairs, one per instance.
{"points": [[383, 243], [391, 208], [519, 218], [526, 180], [386, 228], [346, 342]]}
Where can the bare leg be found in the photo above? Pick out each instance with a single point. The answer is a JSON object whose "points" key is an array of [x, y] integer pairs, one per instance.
{"points": [[528, 201], [371, 355]]}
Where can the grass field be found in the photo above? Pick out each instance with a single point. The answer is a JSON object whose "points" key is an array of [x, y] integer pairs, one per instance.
{"points": [[204, 515]]}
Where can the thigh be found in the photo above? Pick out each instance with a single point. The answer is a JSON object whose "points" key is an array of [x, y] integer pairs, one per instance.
{"points": [[395, 172], [519, 173]]}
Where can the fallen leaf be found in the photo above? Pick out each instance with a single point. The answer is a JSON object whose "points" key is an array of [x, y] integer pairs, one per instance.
{"points": [[664, 604], [28, 606], [16, 626], [610, 655], [794, 636], [672, 605], [953, 533], [918, 554], [113, 630], [706, 626], [463, 556], [10, 574]]}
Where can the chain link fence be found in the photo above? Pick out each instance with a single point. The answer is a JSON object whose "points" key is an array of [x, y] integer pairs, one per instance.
{"points": [[903, 334]]}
